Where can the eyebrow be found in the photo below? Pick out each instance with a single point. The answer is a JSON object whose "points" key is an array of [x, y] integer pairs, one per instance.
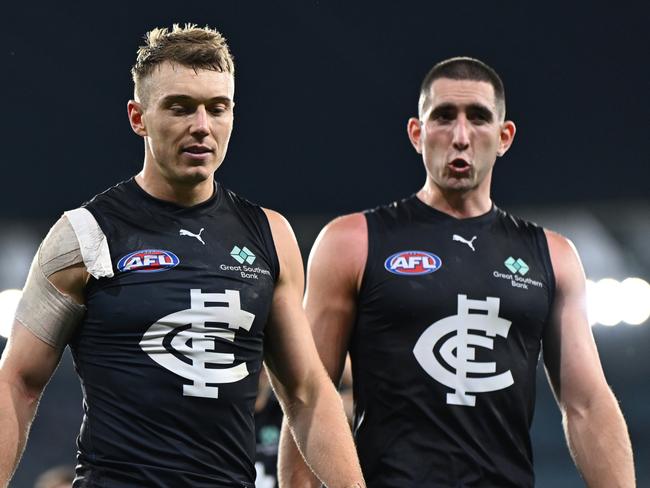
{"points": [[186, 98], [472, 107]]}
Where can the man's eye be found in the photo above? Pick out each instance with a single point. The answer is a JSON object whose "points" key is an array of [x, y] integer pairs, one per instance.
{"points": [[218, 110], [480, 117], [178, 109], [443, 117]]}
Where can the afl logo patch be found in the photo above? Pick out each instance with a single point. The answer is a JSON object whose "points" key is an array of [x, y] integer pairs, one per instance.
{"points": [[148, 261], [413, 263]]}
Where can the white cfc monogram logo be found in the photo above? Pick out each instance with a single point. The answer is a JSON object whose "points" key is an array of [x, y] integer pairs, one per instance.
{"points": [[188, 336], [463, 344]]}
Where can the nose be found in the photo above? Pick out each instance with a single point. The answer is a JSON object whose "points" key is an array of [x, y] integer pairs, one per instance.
{"points": [[461, 134], [200, 122]]}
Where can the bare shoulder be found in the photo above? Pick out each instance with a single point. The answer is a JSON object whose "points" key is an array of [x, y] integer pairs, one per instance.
{"points": [[286, 246], [280, 226], [350, 226], [283, 236], [559, 244], [341, 250], [348, 233], [564, 256]]}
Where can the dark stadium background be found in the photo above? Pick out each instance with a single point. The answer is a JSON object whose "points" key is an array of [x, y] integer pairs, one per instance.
{"points": [[324, 89]]}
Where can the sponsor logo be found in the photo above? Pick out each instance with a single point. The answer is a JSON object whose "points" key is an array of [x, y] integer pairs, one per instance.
{"points": [[242, 255], [413, 263], [245, 271], [148, 261], [186, 342], [518, 269], [470, 242], [447, 348], [184, 232], [516, 266]]}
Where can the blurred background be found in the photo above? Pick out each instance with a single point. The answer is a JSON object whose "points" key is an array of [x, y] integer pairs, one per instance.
{"points": [[324, 89]]}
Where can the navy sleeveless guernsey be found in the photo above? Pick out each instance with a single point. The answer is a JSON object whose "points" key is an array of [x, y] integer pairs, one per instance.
{"points": [[449, 324], [170, 349]]}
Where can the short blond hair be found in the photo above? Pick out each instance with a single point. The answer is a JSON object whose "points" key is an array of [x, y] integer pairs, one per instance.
{"points": [[189, 45]]}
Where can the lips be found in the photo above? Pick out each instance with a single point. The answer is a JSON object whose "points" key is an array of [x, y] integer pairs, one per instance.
{"points": [[459, 165], [197, 149]]}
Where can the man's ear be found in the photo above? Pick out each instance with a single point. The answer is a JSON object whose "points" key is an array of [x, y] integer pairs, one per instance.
{"points": [[414, 129], [508, 130], [136, 117]]}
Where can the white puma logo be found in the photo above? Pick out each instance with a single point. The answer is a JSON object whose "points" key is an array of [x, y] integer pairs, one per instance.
{"points": [[184, 232], [458, 238]]}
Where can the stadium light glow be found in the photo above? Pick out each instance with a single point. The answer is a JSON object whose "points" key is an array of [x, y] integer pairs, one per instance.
{"points": [[636, 301], [610, 302], [8, 302]]}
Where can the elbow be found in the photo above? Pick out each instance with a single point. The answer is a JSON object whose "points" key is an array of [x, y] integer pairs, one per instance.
{"points": [[298, 398], [21, 394], [302, 396], [581, 409], [31, 397]]}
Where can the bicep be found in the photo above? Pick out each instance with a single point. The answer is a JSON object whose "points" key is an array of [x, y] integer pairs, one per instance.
{"points": [[289, 351], [28, 362], [51, 306], [333, 278], [48, 312], [570, 353]]}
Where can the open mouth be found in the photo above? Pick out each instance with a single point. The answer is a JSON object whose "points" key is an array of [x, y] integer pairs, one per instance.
{"points": [[459, 165]]}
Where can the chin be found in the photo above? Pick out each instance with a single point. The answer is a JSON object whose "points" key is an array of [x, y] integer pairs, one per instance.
{"points": [[198, 175], [459, 184]]}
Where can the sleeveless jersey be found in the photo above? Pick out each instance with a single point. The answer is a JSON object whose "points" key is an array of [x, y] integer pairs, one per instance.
{"points": [[449, 324], [170, 349]]}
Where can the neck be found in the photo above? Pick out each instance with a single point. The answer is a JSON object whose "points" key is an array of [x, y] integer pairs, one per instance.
{"points": [[459, 204], [180, 193]]}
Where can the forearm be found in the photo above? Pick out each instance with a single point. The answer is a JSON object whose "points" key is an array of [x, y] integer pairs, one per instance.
{"points": [[16, 414], [325, 440], [600, 444], [292, 470]]}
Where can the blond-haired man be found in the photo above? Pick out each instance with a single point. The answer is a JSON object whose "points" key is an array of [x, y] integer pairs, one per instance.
{"points": [[170, 291]]}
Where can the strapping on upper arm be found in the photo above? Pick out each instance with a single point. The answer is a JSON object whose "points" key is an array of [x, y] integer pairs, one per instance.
{"points": [[49, 313]]}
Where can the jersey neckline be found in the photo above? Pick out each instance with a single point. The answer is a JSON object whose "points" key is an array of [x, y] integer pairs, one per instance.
{"points": [[135, 187], [433, 213]]}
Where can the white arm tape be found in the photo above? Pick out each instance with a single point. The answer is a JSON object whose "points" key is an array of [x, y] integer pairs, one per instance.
{"points": [[92, 242], [49, 314], [60, 248], [45, 311]]}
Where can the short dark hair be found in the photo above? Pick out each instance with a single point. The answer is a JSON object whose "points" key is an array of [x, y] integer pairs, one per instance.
{"points": [[464, 68], [191, 46]]}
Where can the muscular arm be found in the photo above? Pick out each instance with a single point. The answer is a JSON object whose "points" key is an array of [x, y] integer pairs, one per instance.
{"points": [[593, 423], [25, 368], [334, 274], [310, 402]]}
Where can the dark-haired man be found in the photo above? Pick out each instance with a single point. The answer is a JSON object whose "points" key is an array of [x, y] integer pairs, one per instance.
{"points": [[444, 301], [170, 290]]}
